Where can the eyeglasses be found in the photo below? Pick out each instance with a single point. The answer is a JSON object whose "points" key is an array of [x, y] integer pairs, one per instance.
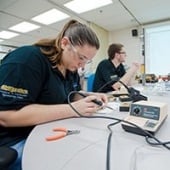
{"points": [[122, 52], [81, 57]]}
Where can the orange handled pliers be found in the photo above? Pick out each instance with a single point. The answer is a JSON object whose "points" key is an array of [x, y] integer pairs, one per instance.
{"points": [[61, 132]]}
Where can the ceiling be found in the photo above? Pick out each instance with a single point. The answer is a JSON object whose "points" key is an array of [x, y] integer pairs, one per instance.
{"points": [[119, 15]]}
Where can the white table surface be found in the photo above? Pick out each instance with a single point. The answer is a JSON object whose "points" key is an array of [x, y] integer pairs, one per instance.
{"points": [[87, 150]]}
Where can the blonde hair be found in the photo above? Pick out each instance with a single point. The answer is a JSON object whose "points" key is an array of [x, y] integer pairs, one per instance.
{"points": [[78, 34]]}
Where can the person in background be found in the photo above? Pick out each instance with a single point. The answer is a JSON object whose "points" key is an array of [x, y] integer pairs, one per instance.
{"points": [[35, 82], [110, 70]]}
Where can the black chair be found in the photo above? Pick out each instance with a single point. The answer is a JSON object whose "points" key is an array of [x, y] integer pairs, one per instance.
{"points": [[7, 157]]}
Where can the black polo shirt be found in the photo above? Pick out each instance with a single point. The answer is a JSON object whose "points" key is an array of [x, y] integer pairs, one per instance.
{"points": [[105, 73], [26, 77]]}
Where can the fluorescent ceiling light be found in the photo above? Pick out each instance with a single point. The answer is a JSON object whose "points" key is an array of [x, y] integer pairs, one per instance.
{"points": [[80, 6], [50, 17], [7, 34], [24, 27]]}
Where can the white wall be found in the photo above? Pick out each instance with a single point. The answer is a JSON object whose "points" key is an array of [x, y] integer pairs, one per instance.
{"points": [[133, 45], [103, 36], [4, 50]]}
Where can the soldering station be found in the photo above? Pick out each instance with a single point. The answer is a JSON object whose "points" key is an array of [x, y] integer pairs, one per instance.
{"points": [[144, 117]]}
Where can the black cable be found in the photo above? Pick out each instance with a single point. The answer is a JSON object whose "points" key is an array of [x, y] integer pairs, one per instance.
{"points": [[109, 82], [133, 93], [130, 90], [124, 85], [165, 144], [149, 135], [108, 151]]}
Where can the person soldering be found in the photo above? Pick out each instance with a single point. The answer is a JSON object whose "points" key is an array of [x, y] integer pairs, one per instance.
{"points": [[110, 70], [35, 81]]}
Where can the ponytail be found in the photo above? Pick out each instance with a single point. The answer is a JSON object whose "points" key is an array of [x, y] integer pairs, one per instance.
{"points": [[78, 34]]}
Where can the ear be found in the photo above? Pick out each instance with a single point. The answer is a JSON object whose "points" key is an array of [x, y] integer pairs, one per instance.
{"points": [[116, 54], [64, 42]]}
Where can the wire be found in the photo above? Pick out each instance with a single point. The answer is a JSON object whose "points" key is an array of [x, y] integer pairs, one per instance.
{"points": [[109, 82], [127, 88], [108, 151], [147, 134], [165, 144]]}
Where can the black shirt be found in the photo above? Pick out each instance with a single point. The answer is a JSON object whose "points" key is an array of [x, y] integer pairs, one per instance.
{"points": [[26, 77], [106, 75]]}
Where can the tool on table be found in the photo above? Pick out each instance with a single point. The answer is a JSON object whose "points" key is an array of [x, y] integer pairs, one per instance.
{"points": [[108, 107], [98, 102], [61, 132]]}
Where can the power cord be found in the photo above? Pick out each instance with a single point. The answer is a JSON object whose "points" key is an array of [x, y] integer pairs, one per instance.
{"points": [[165, 144], [108, 151], [148, 135]]}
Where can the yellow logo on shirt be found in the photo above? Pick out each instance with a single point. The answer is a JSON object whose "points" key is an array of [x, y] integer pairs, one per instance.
{"points": [[14, 89]]}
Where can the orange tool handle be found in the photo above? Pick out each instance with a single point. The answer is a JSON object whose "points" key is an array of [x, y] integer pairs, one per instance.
{"points": [[62, 129], [56, 137]]}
